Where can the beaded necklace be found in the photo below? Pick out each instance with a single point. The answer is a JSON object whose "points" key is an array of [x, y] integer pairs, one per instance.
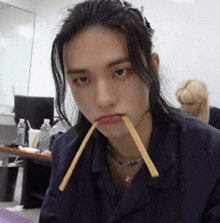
{"points": [[127, 164]]}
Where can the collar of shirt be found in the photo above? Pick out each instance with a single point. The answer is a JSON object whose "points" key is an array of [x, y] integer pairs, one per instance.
{"points": [[162, 150]]}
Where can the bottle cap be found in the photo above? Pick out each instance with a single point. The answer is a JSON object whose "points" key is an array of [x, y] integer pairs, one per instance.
{"points": [[46, 121], [21, 120]]}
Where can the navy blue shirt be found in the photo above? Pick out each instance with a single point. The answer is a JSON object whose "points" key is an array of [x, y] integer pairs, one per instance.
{"points": [[214, 117], [137, 198], [187, 157]]}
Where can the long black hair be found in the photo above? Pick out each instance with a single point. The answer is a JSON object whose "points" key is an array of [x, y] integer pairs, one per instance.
{"points": [[115, 14]]}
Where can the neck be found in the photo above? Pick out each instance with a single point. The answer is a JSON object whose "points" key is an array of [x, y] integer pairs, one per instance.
{"points": [[124, 146]]}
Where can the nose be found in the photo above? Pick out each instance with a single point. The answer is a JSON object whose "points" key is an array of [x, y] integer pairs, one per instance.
{"points": [[106, 95]]}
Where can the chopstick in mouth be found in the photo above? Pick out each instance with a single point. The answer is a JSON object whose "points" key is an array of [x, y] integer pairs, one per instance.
{"points": [[76, 158], [152, 169]]}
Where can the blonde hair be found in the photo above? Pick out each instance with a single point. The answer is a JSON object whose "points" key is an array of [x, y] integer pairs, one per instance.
{"points": [[194, 90]]}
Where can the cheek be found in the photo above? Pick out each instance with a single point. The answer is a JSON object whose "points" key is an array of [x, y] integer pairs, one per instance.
{"points": [[195, 108], [81, 101], [140, 97], [143, 92], [138, 89]]}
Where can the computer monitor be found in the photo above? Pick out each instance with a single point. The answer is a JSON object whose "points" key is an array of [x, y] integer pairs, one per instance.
{"points": [[34, 109]]}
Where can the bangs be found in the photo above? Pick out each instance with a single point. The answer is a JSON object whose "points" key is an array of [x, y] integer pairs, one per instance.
{"points": [[185, 96]]}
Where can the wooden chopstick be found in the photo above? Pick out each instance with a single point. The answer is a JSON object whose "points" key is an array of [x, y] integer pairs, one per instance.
{"points": [[134, 134], [76, 158]]}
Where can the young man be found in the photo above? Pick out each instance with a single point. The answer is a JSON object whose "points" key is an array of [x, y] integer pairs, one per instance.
{"points": [[104, 52]]}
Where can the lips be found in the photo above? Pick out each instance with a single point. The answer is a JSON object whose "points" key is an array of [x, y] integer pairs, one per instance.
{"points": [[110, 119]]}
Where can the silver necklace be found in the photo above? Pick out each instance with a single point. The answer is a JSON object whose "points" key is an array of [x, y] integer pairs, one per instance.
{"points": [[127, 164], [128, 178]]}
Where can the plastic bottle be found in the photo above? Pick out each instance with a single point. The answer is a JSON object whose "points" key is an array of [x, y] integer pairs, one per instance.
{"points": [[20, 139], [44, 141]]}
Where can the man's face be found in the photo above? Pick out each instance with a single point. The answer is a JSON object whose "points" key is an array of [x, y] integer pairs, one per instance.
{"points": [[103, 82]]}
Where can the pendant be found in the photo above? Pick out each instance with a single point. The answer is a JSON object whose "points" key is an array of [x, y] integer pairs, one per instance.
{"points": [[128, 179]]}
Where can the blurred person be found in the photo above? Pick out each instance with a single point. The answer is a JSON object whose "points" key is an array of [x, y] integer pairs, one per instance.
{"points": [[193, 97]]}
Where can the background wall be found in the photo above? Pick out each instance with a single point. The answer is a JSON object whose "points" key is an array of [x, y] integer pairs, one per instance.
{"points": [[187, 38], [16, 34], [29, 5]]}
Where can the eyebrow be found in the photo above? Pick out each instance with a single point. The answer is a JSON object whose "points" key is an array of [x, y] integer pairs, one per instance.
{"points": [[77, 71], [118, 61], [109, 65]]}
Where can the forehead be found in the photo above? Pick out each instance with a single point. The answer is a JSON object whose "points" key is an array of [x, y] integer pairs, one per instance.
{"points": [[95, 45]]}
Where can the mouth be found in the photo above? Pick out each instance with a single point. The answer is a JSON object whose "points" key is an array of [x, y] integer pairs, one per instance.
{"points": [[110, 119]]}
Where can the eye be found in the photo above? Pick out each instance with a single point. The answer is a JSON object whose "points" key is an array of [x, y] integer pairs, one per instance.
{"points": [[120, 72], [80, 80], [83, 79], [123, 72]]}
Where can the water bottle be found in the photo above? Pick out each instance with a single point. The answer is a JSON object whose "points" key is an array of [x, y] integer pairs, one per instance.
{"points": [[44, 141], [20, 139]]}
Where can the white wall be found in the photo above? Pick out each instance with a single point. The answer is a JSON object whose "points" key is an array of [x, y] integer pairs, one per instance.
{"points": [[29, 5], [48, 16], [16, 28], [187, 38]]}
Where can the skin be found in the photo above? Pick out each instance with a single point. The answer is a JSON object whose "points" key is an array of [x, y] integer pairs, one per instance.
{"points": [[192, 108], [103, 82]]}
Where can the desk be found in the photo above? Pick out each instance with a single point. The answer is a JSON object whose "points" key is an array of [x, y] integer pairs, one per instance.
{"points": [[37, 169]]}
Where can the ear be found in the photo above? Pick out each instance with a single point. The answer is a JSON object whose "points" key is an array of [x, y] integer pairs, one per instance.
{"points": [[155, 61]]}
